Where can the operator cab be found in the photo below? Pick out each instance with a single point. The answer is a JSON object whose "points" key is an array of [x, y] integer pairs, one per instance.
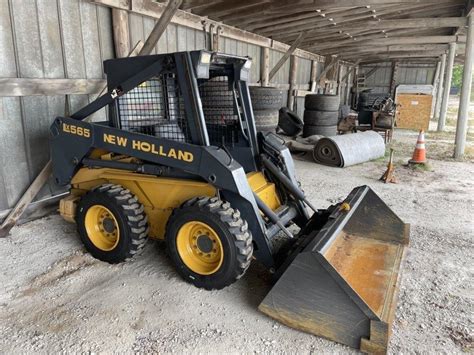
{"points": [[157, 106]]}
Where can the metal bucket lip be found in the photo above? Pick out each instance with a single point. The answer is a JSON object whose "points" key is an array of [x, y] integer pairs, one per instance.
{"points": [[336, 222]]}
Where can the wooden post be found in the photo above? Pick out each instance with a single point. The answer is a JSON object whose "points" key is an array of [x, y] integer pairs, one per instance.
{"points": [[447, 87], [348, 88], [265, 65], [215, 39], [293, 73], [440, 84], [394, 80], [463, 113], [339, 80], [314, 73], [121, 32], [355, 87], [211, 37], [287, 55], [435, 86], [160, 27]]}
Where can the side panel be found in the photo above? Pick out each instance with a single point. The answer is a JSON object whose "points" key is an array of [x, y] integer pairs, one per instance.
{"points": [[158, 195]]}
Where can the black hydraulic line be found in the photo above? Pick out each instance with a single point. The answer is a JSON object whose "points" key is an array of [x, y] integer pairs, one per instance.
{"points": [[267, 211], [140, 168], [294, 190]]}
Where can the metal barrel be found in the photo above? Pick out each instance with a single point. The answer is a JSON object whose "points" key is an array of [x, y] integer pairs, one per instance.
{"points": [[343, 282]]}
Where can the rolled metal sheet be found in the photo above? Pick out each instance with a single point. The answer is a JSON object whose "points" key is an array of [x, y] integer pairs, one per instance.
{"points": [[349, 149]]}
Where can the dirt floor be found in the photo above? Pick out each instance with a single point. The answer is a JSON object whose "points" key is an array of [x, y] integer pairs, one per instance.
{"points": [[57, 298]]}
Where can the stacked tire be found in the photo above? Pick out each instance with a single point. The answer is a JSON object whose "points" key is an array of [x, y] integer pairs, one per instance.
{"points": [[217, 100], [266, 102], [321, 115]]}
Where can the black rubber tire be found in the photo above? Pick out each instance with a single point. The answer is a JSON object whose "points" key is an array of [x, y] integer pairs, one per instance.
{"points": [[233, 233], [327, 131], [130, 216], [266, 120], [289, 122], [216, 94], [322, 102], [264, 98], [320, 118]]}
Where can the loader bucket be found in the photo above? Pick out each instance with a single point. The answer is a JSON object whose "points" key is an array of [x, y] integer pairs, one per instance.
{"points": [[342, 283]]}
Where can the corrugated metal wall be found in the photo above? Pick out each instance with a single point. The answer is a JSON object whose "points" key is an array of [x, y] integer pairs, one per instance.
{"points": [[232, 46], [43, 39], [71, 39], [422, 74]]}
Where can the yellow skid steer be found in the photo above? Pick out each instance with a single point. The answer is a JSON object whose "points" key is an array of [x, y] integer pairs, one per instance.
{"points": [[179, 159]]}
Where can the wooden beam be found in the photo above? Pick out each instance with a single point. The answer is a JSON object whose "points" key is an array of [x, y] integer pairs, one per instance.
{"points": [[391, 41], [428, 22], [440, 85], [285, 57], [221, 9], [265, 66], [292, 81], [314, 73], [447, 87], [440, 22], [49, 87], [328, 67], [331, 39], [193, 4], [325, 20], [349, 3], [464, 100], [160, 26], [404, 55], [183, 18], [371, 71], [351, 51], [334, 4], [394, 78], [351, 70], [121, 32], [25, 200]]}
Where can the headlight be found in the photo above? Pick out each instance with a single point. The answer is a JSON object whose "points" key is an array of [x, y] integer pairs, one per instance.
{"points": [[205, 58]]}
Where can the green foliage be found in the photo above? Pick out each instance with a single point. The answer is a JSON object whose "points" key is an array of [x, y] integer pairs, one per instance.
{"points": [[457, 75]]}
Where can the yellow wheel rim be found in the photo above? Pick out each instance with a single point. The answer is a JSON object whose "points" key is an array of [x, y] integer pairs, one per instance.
{"points": [[200, 248], [102, 227]]}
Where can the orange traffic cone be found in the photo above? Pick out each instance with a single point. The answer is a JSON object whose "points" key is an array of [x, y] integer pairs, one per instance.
{"points": [[419, 155]]}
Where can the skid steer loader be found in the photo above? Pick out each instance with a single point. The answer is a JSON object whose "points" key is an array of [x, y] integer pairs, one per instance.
{"points": [[169, 164]]}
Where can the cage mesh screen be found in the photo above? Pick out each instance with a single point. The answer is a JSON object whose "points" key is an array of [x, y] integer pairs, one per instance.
{"points": [[220, 112], [155, 108]]}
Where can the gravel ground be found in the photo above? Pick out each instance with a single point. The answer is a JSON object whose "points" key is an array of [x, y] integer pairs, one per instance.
{"points": [[57, 298]]}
